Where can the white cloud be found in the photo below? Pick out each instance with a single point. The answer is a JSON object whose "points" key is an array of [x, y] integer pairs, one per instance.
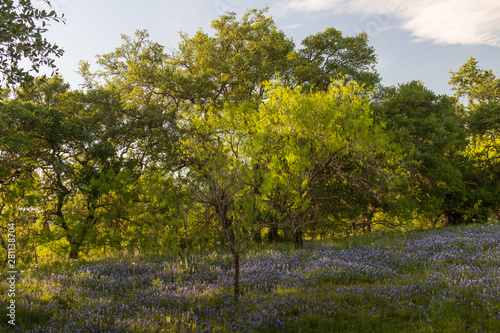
{"points": [[456, 22], [308, 5], [341, 6], [439, 21], [293, 26]]}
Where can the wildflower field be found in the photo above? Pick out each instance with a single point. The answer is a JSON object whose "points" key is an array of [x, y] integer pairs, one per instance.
{"points": [[445, 280]]}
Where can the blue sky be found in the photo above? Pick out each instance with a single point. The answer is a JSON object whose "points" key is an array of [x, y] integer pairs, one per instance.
{"points": [[414, 39]]}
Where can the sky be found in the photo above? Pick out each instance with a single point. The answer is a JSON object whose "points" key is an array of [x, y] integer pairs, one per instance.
{"points": [[414, 39]]}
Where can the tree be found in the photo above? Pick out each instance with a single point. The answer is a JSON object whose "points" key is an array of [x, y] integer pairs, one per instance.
{"points": [[21, 38], [431, 136], [220, 168], [205, 71], [328, 54], [481, 91], [313, 147], [18, 195], [232, 65], [476, 85], [81, 156]]}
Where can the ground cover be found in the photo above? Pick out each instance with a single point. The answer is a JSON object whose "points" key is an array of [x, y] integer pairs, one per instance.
{"points": [[445, 280]]}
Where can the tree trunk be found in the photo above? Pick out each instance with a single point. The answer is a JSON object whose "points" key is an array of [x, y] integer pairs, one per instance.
{"points": [[454, 217], [236, 259], [36, 260], [4, 245], [369, 220], [226, 224], [297, 237], [257, 238], [73, 252], [272, 236]]}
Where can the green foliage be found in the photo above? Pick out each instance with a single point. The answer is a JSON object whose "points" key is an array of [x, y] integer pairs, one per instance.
{"points": [[315, 147], [233, 136], [198, 89], [476, 85], [232, 65], [431, 136], [328, 54], [80, 161], [481, 90], [21, 29]]}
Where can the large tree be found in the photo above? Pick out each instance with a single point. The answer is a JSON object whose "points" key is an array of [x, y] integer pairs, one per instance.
{"points": [[189, 113], [316, 148], [205, 71], [479, 90], [232, 65], [429, 132], [78, 148], [220, 169]]}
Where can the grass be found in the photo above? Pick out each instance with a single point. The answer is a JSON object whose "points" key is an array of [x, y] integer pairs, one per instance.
{"points": [[445, 280]]}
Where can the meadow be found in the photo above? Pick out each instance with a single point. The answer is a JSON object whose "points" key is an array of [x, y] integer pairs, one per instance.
{"points": [[444, 280]]}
